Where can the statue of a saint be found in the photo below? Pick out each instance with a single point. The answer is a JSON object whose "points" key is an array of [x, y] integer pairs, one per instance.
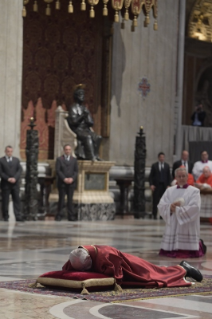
{"points": [[81, 122]]}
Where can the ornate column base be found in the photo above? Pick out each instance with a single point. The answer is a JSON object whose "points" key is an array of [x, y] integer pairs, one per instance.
{"points": [[95, 211]]}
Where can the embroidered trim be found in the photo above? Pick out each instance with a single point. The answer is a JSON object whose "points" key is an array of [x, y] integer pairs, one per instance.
{"points": [[74, 283]]}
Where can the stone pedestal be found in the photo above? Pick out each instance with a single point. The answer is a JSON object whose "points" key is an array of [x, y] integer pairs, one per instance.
{"points": [[92, 199]]}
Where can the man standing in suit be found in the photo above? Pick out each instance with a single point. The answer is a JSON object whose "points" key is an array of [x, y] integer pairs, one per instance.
{"points": [[66, 170], [10, 172], [184, 161], [159, 180]]}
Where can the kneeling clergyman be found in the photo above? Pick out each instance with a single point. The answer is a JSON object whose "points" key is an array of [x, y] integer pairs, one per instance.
{"points": [[180, 209], [126, 268]]}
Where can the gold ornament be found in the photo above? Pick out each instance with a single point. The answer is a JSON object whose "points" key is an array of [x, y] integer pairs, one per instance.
{"points": [[83, 5], [48, 9], [127, 5], [92, 12], [116, 16], [147, 20], [135, 21], [70, 7], [126, 15], [57, 5], [155, 27], [35, 6], [105, 10], [92, 4], [117, 6], [24, 12]]}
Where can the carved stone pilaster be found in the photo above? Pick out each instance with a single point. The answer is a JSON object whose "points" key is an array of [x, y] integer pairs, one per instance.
{"points": [[139, 175], [31, 193]]}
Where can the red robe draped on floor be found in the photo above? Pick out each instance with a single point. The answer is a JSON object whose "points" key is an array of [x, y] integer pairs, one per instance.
{"points": [[128, 268]]}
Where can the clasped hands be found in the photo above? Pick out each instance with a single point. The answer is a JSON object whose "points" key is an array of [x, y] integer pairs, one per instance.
{"points": [[68, 180], [174, 205], [11, 180]]}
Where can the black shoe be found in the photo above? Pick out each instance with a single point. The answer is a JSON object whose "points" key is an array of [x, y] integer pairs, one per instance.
{"points": [[191, 271], [58, 218], [155, 217]]}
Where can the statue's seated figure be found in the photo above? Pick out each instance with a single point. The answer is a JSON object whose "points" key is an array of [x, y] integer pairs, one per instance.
{"points": [[81, 122]]}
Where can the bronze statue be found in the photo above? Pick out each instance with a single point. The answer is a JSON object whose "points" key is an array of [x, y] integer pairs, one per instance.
{"points": [[81, 122]]}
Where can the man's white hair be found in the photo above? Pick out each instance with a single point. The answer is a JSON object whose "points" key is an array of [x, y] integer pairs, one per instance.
{"points": [[80, 259], [180, 169]]}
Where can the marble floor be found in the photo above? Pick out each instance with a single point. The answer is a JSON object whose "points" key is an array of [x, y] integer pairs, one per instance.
{"points": [[29, 249]]}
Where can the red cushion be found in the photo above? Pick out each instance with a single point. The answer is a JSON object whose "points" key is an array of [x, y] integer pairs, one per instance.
{"points": [[76, 280]]}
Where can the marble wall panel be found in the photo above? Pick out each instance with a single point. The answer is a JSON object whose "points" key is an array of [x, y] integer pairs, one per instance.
{"points": [[11, 72], [151, 54]]}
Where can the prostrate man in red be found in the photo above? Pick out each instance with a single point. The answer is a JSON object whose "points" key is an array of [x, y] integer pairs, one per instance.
{"points": [[128, 268]]}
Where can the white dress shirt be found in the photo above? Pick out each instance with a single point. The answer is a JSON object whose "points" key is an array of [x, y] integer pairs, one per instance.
{"points": [[198, 168], [185, 163]]}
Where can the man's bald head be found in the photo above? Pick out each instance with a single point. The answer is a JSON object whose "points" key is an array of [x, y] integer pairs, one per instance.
{"points": [[185, 155], [206, 171]]}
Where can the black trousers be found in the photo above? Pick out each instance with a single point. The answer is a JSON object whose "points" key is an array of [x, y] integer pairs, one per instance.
{"points": [[14, 191], [69, 191], [156, 196]]}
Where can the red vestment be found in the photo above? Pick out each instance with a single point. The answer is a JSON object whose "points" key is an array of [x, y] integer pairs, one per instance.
{"points": [[128, 268], [205, 180]]}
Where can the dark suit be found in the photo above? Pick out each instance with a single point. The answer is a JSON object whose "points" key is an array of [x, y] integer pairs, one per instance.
{"points": [[7, 170], [66, 169], [177, 164], [161, 180]]}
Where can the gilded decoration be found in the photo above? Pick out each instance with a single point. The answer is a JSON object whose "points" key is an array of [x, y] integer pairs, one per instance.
{"points": [[115, 5], [200, 21]]}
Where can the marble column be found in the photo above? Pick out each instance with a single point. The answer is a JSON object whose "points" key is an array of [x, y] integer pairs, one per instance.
{"points": [[11, 44], [180, 72]]}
